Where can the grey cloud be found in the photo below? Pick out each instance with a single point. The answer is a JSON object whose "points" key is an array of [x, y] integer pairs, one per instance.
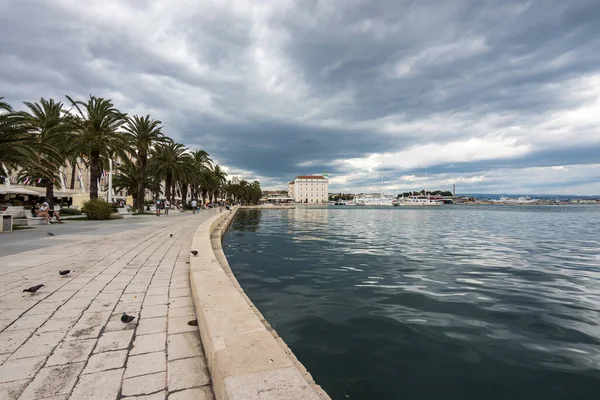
{"points": [[471, 59]]}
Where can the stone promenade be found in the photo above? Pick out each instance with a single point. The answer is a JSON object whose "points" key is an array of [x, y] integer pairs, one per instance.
{"points": [[67, 340]]}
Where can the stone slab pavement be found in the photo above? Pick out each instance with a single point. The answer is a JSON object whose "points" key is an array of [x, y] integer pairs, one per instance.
{"points": [[67, 341]]}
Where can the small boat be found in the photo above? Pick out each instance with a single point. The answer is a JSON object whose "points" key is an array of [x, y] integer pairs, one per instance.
{"points": [[339, 203]]}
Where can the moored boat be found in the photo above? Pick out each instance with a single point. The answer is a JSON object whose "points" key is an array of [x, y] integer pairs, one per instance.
{"points": [[419, 201]]}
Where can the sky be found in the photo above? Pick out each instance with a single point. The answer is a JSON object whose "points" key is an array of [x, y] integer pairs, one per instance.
{"points": [[493, 96]]}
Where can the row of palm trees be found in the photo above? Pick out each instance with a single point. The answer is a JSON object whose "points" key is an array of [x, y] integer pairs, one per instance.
{"points": [[47, 136]]}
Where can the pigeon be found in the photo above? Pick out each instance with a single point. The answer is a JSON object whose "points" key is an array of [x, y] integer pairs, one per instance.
{"points": [[50, 234], [195, 252], [127, 318], [171, 235], [33, 289], [64, 272]]}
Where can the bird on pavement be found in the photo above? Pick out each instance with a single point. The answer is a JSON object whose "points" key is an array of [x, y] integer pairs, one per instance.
{"points": [[64, 272], [33, 289], [194, 252], [127, 318], [50, 234], [171, 235]]}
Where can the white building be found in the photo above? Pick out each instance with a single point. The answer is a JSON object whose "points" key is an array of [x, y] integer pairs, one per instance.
{"points": [[310, 189]]}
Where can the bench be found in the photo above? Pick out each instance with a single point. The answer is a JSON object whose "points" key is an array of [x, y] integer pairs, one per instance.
{"points": [[31, 220], [124, 212]]}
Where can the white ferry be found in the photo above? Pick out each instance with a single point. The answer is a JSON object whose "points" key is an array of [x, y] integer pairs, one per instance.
{"points": [[373, 199], [419, 201]]}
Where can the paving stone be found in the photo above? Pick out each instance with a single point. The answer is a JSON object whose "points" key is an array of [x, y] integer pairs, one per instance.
{"points": [[106, 360], [78, 302], [203, 393], [60, 297], [89, 325], [184, 345], [136, 289], [38, 345], [149, 343], [155, 396], [98, 386], [154, 311], [145, 364], [14, 370], [61, 324], [182, 312], [181, 302], [152, 325], [11, 340], [157, 290], [145, 384], [52, 381], [132, 298], [180, 324], [155, 300], [68, 313], [69, 352], [180, 293], [43, 307], [3, 357], [187, 373], [180, 284], [114, 341], [12, 390], [28, 322]]}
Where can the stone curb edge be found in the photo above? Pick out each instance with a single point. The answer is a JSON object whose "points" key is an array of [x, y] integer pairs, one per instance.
{"points": [[246, 358]]}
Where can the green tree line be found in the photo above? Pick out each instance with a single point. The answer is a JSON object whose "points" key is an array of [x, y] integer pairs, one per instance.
{"points": [[49, 135]]}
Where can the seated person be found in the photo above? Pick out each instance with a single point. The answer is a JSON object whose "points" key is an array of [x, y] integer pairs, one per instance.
{"points": [[45, 209]]}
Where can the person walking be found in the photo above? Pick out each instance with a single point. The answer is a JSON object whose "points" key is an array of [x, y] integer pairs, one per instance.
{"points": [[194, 206], [167, 206], [158, 207]]}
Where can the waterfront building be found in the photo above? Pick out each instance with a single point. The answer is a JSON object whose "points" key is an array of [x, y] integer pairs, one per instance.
{"points": [[310, 188]]}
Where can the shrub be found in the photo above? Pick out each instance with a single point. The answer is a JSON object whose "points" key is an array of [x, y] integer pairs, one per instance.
{"points": [[70, 211], [97, 209]]}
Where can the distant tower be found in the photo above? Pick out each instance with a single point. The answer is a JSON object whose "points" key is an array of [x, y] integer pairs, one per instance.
{"points": [[325, 175], [454, 189]]}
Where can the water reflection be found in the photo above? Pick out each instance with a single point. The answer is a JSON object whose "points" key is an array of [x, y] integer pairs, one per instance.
{"points": [[457, 302]]}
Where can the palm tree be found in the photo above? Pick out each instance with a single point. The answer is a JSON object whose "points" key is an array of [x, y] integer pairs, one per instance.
{"points": [[127, 177], [17, 145], [202, 162], [168, 161], [220, 178], [143, 133], [45, 121], [96, 125]]}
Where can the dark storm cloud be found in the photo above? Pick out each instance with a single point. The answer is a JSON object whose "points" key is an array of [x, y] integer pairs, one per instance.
{"points": [[277, 89]]}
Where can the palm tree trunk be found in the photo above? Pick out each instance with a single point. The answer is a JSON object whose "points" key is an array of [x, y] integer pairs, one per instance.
{"points": [[49, 192], [73, 172], [184, 190], [168, 180], [204, 196], [141, 190], [94, 174]]}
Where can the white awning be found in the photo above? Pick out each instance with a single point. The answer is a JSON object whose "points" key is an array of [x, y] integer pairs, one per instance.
{"points": [[18, 190], [36, 191]]}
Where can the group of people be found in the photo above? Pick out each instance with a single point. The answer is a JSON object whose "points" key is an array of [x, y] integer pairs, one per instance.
{"points": [[197, 207], [45, 212], [163, 204]]}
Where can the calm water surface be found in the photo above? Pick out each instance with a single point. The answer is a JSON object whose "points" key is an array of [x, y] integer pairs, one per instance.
{"points": [[457, 302]]}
